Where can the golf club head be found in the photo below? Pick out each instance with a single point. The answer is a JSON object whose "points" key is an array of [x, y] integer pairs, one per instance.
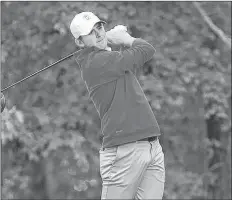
{"points": [[3, 102]]}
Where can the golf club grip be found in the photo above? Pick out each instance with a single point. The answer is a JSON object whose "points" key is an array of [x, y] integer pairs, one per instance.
{"points": [[45, 68]]}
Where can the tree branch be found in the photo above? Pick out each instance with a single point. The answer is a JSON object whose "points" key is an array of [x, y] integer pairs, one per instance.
{"points": [[212, 26]]}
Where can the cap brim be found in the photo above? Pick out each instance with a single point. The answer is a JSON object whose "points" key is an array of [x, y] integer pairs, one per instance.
{"points": [[103, 22], [90, 29]]}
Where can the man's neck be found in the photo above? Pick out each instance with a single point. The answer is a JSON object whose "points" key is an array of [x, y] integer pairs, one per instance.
{"points": [[107, 48]]}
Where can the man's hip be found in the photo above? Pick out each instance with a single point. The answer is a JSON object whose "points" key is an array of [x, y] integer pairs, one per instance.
{"points": [[123, 168]]}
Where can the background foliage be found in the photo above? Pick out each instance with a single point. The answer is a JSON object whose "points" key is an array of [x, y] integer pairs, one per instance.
{"points": [[50, 129]]}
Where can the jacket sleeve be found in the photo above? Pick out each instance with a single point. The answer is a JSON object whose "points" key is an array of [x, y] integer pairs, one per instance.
{"points": [[129, 59], [136, 56]]}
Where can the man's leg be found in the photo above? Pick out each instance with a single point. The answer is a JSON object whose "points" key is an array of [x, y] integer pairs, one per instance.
{"points": [[122, 169], [152, 184]]}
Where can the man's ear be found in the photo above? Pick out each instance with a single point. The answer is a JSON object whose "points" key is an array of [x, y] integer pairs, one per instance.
{"points": [[79, 43]]}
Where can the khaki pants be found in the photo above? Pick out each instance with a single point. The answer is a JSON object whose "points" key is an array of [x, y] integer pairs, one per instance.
{"points": [[133, 171]]}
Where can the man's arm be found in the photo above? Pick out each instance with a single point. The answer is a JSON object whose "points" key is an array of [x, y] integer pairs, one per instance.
{"points": [[135, 56], [129, 59]]}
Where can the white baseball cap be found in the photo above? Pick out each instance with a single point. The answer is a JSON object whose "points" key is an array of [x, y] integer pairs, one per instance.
{"points": [[83, 23]]}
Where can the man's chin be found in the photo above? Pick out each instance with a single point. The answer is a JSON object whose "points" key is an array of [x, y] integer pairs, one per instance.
{"points": [[102, 46]]}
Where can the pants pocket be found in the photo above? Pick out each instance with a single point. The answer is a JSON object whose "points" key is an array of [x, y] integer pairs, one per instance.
{"points": [[158, 163], [107, 159], [160, 175]]}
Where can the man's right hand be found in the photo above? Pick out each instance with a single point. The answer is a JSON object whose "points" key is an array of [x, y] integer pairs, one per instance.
{"points": [[119, 36]]}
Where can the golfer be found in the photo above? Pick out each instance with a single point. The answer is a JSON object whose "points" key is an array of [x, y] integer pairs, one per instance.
{"points": [[131, 157]]}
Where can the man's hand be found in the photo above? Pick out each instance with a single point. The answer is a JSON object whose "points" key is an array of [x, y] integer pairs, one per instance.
{"points": [[119, 36]]}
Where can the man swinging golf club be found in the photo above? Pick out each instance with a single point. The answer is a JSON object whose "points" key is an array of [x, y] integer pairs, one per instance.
{"points": [[131, 157]]}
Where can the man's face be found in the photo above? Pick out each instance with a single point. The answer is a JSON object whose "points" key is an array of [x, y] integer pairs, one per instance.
{"points": [[97, 37]]}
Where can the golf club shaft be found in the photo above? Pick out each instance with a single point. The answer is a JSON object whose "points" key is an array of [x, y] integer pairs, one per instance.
{"points": [[45, 68]]}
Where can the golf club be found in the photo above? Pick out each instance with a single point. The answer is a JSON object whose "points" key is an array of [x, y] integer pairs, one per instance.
{"points": [[35, 73]]}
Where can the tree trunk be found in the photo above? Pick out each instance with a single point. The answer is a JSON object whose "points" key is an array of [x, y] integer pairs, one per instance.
{"points": [[219, 163], [50, 183], [38, 186], [226, 40]]}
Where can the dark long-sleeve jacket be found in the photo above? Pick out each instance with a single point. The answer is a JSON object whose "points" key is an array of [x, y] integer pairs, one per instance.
{"points": [[124, 110]]}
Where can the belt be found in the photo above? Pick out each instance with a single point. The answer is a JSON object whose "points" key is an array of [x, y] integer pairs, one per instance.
{"points": [[149, 139]]}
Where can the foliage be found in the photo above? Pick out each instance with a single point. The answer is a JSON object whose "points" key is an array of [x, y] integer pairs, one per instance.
{"points": [[50, 138]]}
